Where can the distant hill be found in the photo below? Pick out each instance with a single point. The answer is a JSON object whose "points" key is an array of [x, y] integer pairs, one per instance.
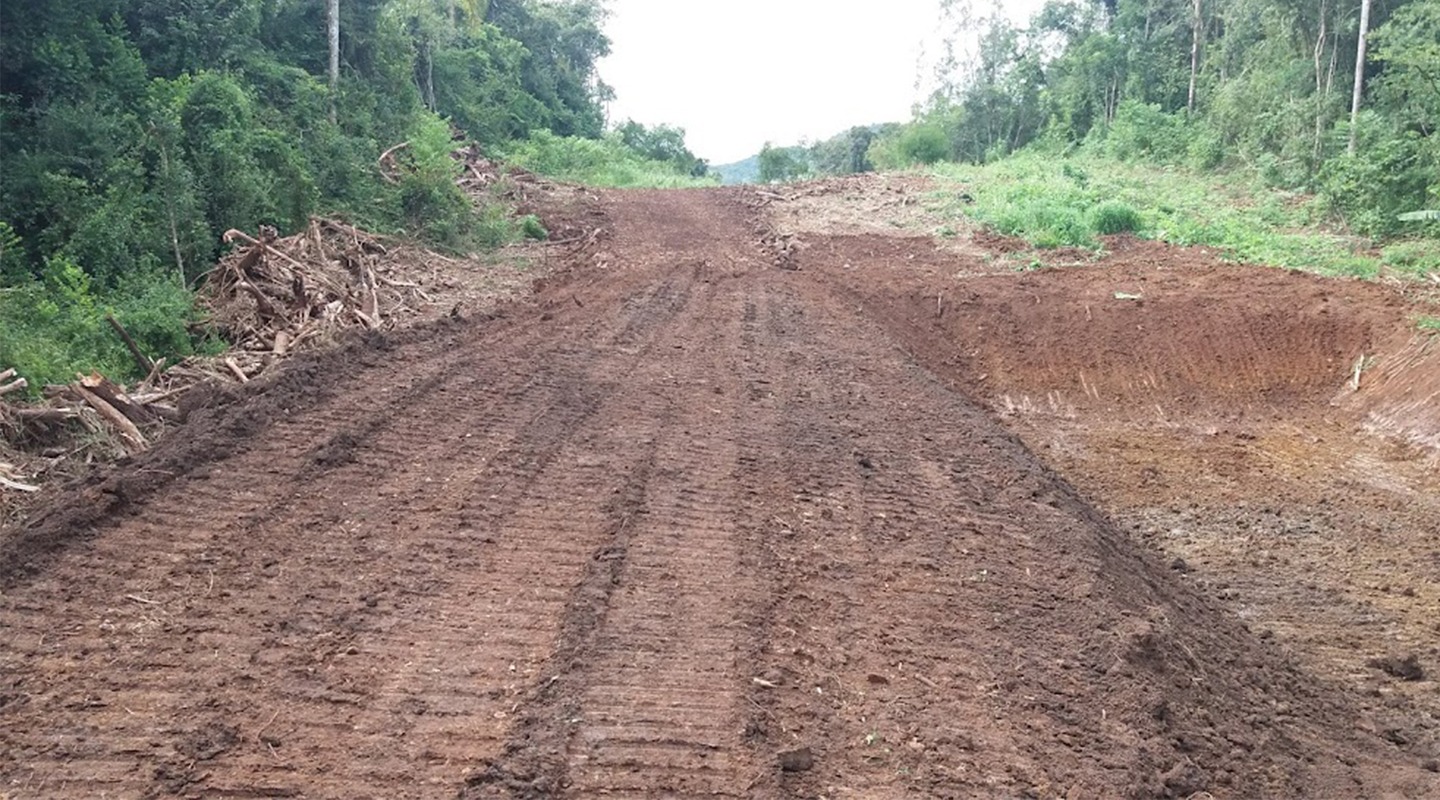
{"points": [[747, 171]]}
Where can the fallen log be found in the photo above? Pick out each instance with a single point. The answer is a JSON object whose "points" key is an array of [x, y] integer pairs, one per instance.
{"points": [[13, 386], [154, 373], [282, 343], [262, 303], [116, 397], [10, 479], [370, 300], [128, 432], [232, 234], [373, 325], [45, 415]]}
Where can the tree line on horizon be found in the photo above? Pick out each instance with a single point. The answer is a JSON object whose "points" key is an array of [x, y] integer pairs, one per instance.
{"points": [[1337, 98]]}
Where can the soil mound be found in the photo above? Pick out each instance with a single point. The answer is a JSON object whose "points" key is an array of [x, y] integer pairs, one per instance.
{"points": [[1149, 331]]}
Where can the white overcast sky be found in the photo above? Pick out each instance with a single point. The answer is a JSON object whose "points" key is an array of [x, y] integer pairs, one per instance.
{"points": [[738, 73]]}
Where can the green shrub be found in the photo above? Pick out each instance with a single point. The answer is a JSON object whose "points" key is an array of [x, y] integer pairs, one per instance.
{"points": [[780, 164], [532, 228], [1054, 201], [1142, 130], [1045, 223], [1114, 217], [435, 209], [884, 151], [1387, 177], [13, 268], [1206, 150], [923, 144], [55, 326]]}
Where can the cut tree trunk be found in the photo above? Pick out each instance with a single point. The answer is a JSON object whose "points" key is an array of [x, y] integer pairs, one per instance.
{"points": [[14, 385], [117, 398]]}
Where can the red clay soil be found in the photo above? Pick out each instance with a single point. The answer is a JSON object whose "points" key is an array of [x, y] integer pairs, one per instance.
{"points": [[687, 524]]}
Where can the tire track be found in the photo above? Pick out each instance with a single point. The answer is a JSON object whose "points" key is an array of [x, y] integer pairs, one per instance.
{"points": [[705, 531], [650, 693], [367, 572]]}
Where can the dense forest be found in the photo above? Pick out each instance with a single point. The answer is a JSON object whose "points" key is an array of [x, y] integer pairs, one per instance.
{"points": [[1270, 86], [132, 135]]}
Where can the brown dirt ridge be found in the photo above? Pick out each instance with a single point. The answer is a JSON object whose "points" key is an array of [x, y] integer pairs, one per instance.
{"points": [[687, 523]]}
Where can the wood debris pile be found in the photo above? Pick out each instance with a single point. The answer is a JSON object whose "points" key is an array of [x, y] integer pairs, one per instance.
{"points": [[278, 295], [269, 298], [119, 416], [480, 175]]}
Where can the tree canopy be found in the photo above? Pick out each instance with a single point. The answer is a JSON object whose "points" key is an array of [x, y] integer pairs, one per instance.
{"points": [[134, 133], [1263, 83]]}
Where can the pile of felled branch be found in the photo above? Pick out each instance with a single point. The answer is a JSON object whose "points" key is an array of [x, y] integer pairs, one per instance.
{"points": [[479, 175], [112, 412], [274, 295], [9, 475]]}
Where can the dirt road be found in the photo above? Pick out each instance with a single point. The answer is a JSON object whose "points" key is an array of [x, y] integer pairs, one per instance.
{"points": [[687, 525]]}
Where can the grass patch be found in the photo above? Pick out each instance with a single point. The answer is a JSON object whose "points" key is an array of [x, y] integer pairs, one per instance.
{"points": [[1052, 202], [1416, 257], [1113, 217], [1428, 324]]}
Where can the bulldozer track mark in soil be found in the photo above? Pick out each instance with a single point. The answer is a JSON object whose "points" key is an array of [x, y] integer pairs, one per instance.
{"points": [[686, 525]]}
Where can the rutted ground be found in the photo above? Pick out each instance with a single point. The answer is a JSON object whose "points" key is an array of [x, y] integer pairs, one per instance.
{"points": [[687, 525]]}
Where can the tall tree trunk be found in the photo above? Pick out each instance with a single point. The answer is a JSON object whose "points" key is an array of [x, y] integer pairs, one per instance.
{"points": [[1359, 71], [430, 75], [332, 25], [170, 212], [1198, 28], [1321, 93]]}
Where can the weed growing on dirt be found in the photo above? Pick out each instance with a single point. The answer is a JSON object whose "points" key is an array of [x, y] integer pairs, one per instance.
{"points": [[1430, 325], [1053, 202], [531, 226], [1114, 217]]}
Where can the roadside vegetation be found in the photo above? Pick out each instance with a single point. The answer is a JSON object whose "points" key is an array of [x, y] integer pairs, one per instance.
{"points": [[613, 159], [1070, 201], [133, 135], [1225, 123]]}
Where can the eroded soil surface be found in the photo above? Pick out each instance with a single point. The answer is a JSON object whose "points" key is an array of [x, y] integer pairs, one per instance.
{"points": [[726, 512]]}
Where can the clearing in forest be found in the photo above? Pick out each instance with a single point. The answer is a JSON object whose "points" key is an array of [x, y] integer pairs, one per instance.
{"points": [[752, 501]]}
